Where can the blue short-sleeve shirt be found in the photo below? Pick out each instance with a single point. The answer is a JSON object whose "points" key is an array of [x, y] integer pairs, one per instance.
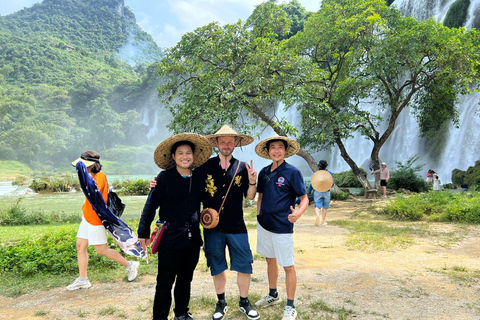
{"points": [[279, 193]]}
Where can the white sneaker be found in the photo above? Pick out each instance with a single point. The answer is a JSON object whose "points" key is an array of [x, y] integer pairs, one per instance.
{"points": [[289, 313], [268, 300], [133, 270], [77, 284]]}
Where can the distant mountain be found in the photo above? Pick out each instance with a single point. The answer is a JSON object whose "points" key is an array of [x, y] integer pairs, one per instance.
{"points": [[87, 25]]}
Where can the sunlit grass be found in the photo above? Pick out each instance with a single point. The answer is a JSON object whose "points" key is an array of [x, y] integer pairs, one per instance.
{"points": [[459, 274]]}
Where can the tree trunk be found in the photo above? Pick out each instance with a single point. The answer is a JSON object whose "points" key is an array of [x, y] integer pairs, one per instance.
{"points": [[356, 170]]}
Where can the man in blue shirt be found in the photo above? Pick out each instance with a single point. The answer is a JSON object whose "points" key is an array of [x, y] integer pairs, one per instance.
{"points": [[279, 184]]}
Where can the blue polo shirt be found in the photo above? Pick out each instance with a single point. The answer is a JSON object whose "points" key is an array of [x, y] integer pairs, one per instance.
{"points": [[279, 193]]}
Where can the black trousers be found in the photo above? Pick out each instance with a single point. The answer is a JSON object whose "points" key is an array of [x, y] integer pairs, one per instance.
{"points": [[174, 266]]}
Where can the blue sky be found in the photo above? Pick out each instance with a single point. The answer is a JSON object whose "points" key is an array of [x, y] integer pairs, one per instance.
{"points": [[167, 20]]}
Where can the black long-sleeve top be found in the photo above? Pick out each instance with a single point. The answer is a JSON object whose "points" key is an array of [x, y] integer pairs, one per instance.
{"points": [[179, 200]]}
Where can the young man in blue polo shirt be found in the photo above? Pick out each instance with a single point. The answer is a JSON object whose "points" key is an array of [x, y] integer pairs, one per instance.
{"points": [[279, 184]]}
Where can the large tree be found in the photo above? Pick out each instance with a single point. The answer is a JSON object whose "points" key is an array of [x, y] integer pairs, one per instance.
{"points": [[370, 55]]}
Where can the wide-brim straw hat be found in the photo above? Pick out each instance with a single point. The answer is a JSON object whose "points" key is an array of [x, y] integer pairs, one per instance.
{"points": [[227, 131], [292, 148], [322, 181], [163, 155], [87, 163]]}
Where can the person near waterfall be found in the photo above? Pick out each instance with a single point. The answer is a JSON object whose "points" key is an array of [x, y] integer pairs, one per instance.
{"points": [[279, 184], [436, 183], [178, 195], [322, 199], [384, 177], [91, 230]]}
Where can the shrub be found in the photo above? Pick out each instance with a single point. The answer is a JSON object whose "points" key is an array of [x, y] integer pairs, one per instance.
{"points": [[406, 176], [54, 252], [340, 195], [348, 179], [20, 180], [59, 184], [471, 177], [17, 215], [132, 187], [435, 206]]}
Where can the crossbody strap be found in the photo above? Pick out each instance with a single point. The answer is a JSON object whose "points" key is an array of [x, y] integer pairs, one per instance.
{"points": [[231, 182]]}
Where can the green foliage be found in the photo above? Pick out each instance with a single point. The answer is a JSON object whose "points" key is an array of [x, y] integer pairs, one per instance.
{"points": [[132, 187], [457, 14], [348, 179], [20, 180], [17, 215], [10, 169], [406, 176], [340, 195], [471, 176], [56, 184], [54, 253], [436, 206]]}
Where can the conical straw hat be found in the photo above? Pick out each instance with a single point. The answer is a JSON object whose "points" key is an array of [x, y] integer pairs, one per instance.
{"points": [[293, 146], [322, 181], [227, 131], [163, 156]]}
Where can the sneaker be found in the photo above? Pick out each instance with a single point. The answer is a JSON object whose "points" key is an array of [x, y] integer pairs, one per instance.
{"points": [[268, 300], [248, 310], [289, 313], [220, 310], [324, 224], [317, 222], [185, 316], [133, 270], [77, 284]]}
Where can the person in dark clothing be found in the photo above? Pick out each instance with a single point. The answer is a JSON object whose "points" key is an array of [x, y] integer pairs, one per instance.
{"points": [[178, 194]]}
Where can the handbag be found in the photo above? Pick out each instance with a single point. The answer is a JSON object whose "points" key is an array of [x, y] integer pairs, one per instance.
{"points": [[210, 217], [156, 235], [115, 203]]}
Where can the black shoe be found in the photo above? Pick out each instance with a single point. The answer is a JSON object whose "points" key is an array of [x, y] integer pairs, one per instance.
{"points": [[185, 316], [248, 310], [220, 310]]}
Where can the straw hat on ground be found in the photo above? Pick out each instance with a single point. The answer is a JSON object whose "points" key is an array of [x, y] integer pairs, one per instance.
{"points": [[227, 131], [293, 146], [163, 154], [322, 181]]}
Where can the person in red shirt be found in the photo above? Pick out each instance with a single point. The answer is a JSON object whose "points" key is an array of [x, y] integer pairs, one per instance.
{"points": [[91, 230]]}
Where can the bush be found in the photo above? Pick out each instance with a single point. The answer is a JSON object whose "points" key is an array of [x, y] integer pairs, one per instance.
{"points": [[340, 195], [20, 180], [471, 177], [436, 206], [17, 215], [348, 179], [406, 176], [132, 187], [60, 184], [54, 253]]}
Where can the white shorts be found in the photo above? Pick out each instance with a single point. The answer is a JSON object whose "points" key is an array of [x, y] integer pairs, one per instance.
{"points": [[94, 234], [275, 245]]}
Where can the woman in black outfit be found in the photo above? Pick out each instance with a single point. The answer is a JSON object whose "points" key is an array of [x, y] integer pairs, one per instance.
{"points": [[178, 194]]}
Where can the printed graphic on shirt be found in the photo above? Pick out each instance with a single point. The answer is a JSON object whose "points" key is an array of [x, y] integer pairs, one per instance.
{"points": [[280, 181], [210, 185], [238, 181]]}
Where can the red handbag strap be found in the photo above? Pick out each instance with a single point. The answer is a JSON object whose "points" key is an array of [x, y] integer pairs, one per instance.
{"points": [[231, 182]]}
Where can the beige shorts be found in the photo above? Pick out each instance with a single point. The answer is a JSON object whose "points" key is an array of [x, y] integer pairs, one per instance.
{"points": [[275, 245], [95, 235]]}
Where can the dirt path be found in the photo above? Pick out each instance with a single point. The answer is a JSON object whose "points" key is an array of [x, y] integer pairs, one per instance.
{"points": [[406, 282]]}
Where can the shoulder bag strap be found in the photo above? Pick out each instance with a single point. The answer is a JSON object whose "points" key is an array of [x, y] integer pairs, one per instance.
{"points": [[231, 182]]}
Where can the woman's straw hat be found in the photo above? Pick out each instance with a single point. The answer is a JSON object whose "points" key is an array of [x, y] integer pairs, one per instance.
{"points": [[322, 181], [227, 131], [293, 146], [163, 155], [88, 161]]}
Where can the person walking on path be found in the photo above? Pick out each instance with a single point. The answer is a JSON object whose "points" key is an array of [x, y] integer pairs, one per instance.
{"points": [[178, 194], [322, 199], [279, 184], [91, 230], [384, 177]]}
